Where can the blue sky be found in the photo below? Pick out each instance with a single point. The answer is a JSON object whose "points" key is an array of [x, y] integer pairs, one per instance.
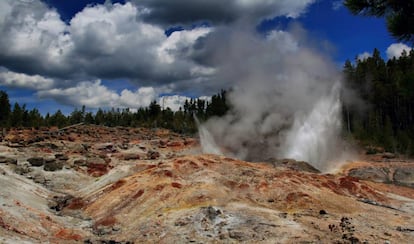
{"points": [[106, 54]]}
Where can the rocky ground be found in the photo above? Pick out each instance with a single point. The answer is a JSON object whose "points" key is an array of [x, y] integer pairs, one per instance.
{"points": [[92, 184]]}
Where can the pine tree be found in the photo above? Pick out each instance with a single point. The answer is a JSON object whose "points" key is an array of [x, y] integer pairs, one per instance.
{"points": [[4, 108], [398, 14]]}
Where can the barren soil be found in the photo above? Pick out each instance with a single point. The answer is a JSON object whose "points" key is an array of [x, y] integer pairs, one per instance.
{"points": [[92, 184]]}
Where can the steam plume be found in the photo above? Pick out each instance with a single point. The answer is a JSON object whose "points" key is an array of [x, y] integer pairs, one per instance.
{"points": [[284, 97]]}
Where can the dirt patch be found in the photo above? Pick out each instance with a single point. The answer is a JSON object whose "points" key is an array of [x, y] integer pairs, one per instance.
{"points": [[97, 170], [69, 235]]}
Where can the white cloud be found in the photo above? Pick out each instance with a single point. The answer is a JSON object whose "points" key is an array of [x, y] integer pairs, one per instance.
{"points": [[96, 95], [364, 56], [105, 41], [126, 42], [176, 45], [396, 49], [336, 5], [140, 98], [18, 80], [173, 102], [176, 101]]}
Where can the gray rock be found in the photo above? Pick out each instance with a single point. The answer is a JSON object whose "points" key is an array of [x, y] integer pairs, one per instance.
{"points": [[62, 157], [371, 174], [36, 161], [404, 176], [130, 156], [39, 178], [80, 162], [153, 155], [22, 169], [388, 155], [212, 212], [238, 235], [293, 164], [52, 165], [5, 160]]}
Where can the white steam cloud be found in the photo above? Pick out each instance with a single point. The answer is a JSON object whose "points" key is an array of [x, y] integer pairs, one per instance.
{"points": [[284, 98], [312, 137]]}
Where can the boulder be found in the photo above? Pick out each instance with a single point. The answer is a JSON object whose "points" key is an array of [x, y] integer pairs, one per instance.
{"points": [[130, 156], [80, 162], [61, 157], [153, 155], [52, 165], [404, 176], [388, 155], [22, 169], [370, 173], [293, 164], [5, 160], [36, 161]]}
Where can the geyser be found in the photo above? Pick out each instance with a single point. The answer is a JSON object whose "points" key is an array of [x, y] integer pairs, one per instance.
{"points": [[208, 145], [284, 99], [313, 136]]}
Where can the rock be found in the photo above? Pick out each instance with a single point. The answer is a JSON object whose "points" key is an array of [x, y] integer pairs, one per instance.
{"points": [[39, 179], [322, 212], [36, 161], [61, 157], [293, 164], [153, 155], [15, 145], [78, 148], [52, 165], [238, 235], [212, 213], [107, 147], [404, 176], [22, 169], [5, 160], [175, 144], [405, 229], [59, 202], [388, 155], [130, 156], [50, 145], [370, 173], [80, 162]]}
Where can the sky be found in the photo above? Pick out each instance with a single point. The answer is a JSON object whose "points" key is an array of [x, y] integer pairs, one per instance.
{"points": [[65, 54]]}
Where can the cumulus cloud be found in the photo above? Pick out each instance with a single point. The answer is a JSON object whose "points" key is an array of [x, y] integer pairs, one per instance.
{"points": [[96, 95], [396, 49], [19, 80], [364, 56], [173, 102], [105, 41], [127, 41], [168, 12]]}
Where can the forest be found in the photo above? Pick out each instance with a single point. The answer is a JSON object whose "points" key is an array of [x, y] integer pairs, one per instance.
{"points": [[379, 111], [384, 115], [153, 116]]}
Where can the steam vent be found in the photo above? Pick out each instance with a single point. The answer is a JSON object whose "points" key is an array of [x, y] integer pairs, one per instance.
{"points": [[94, 184]]}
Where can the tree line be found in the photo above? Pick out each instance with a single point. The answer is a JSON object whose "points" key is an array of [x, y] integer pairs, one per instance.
{"points": [[385, 116], [153, 116]]}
